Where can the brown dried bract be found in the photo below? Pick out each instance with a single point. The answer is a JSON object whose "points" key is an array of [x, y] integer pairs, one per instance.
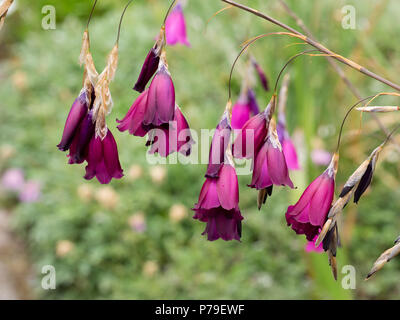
{"points": [[384, 258], [103, 103], [3, 11]]}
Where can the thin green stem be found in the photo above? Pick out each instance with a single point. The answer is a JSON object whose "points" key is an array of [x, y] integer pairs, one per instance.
{"points": [[169, 10], [120, 21], [91, 13], [345, 117], [288, 62]]}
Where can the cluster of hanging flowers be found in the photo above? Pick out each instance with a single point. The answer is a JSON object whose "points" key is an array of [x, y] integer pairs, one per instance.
{"points": [[86, 134], [261, 138], [155, 111], [218, 203]]}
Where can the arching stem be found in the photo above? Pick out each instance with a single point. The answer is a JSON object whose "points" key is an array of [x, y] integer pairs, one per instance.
{"points": [[120, 21], [91, 13]]}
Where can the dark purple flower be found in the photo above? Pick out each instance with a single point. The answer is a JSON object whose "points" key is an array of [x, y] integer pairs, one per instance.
{"points": [[261, 75], [133, 121], [309, 214], [252, 101], [175, 27], [80, 143], [160, 106], [149, 68], [78, 111], [218, 206], [219, 143], [102, 159], [174, 137]]}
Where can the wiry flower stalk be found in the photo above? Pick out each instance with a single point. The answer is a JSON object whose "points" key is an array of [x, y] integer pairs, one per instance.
{"points": [[316, 44]]}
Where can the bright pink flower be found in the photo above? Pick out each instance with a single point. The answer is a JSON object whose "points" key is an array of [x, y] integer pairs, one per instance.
{"points": [[30, 192], [218, 147], [102, 159], [218, 205], [245, 107], [287, 145], [175, 27], [173, 137], [240, 114], [13, 180], [270, 165], [160, 106], [308, 215], [310, 246], [251, 136], [133, 121]]}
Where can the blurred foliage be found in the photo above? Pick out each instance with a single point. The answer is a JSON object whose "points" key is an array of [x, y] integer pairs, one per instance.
{"points": [[83, 228]]}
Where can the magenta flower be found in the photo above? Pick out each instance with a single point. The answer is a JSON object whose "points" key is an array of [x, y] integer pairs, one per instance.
{"points": [[30, 192], [149, 68], [245, 107], [218, 206], [218, 147], [13, 180], [287, 145], [133, 121], [102, 159], [270, 165], [78, 149], [173, 137], [251, 136], [308, 215], [240, 114], [78, 111], [160, 106], [175, 27], [310, 246]]}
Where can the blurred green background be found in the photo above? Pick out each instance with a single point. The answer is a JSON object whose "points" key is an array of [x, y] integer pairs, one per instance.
{"points": [[135, 238]]}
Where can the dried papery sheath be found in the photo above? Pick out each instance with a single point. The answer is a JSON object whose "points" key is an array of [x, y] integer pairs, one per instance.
{"points": [[3, 11], [378, 109], [385, 257], [103, 103]]}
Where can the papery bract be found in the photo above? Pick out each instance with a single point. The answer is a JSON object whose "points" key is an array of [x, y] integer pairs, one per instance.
{"points": [[102, 159]]}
